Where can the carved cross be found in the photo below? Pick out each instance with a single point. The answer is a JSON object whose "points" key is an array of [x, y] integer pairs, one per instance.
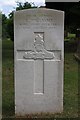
{"points": [[39, 54]]}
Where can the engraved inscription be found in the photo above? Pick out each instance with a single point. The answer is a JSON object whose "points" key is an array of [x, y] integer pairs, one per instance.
{"points": [[38, 22], [40, 51]]}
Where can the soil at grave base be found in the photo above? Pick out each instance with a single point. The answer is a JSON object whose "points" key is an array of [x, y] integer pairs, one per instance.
{"points": [[37, 115]]}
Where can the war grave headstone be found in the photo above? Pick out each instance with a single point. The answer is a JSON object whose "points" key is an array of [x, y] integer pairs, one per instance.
{"points": [[39, 58]]}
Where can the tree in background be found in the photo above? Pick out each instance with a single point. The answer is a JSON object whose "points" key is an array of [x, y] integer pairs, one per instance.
{"points": [[25, 5], [4, 27], [72, 14], [10, 20], [10, 26]]}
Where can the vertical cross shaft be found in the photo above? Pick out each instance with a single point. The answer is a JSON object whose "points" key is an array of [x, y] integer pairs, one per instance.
{"points": [[38, 76]]}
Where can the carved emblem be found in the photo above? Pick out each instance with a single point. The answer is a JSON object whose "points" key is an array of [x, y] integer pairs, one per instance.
{"points": [[39, 50]]}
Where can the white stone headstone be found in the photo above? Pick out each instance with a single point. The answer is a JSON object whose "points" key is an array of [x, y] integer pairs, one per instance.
{"points": [[39, 56]]}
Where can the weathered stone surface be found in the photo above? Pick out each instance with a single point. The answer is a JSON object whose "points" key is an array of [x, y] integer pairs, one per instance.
{"points": [[39, 56]]}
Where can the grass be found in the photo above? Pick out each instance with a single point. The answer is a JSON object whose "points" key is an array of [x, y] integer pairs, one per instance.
{"points": [[7, 76], [70, 84], [71, 35]]}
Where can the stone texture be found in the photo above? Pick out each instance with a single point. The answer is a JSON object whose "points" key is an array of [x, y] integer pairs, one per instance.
{"points": [[39, 57]]}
